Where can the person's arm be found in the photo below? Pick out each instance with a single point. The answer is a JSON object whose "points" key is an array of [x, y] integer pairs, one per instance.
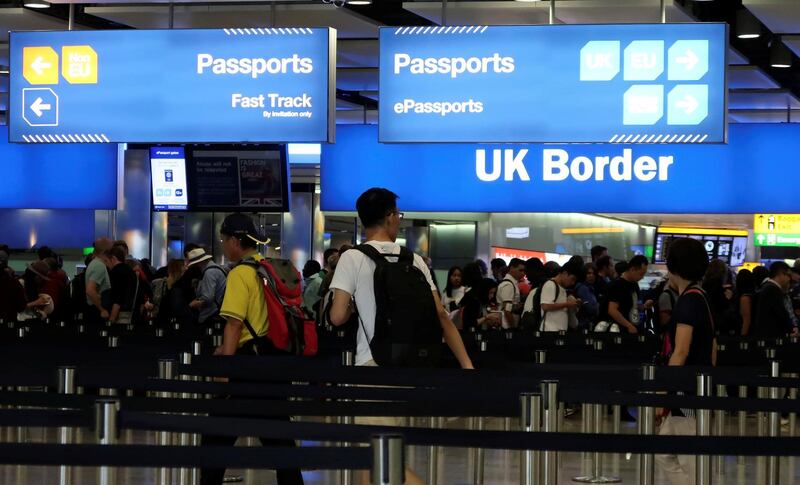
{"points": [[41, 301], [590, 304], [231, 335], [342, 307], [114, 312], [683, 340], [746, 310], [205, 293], [614, 313], [550, 295], [93, 293], [451, 335], [506, 300]]}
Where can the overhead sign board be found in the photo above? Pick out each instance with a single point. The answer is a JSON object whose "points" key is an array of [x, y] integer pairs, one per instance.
{"points": [[776, 229], [605, 178], [660, 83], [227, 85]]}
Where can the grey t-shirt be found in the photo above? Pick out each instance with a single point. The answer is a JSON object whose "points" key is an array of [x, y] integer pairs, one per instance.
{"points": [[97, 272]]}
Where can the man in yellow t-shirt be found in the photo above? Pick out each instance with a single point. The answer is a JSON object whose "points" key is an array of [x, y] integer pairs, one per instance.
{"points": [[244, 301]]}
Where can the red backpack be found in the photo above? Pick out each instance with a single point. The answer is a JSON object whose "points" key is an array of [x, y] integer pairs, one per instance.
{"points": [[290, 330]]}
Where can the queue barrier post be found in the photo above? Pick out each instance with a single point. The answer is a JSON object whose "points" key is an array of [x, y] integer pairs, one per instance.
{"points": [[793, 416], [647, 427], [742, 417], [349, 360], [166, 370], [719, 430], [703, 469], [479, 456], [66, 385], [550, 419], [531, 421], [774, 428], [106, 429], [185, 439], [388, 460], [433, 453]]}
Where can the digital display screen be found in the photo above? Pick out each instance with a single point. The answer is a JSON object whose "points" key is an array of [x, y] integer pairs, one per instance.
{"points": [[730, 249], [168, 176], [255, 179]]}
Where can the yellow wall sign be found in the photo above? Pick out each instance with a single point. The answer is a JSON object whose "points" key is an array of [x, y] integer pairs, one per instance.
{"points": [[777, 223], [40, 65]]}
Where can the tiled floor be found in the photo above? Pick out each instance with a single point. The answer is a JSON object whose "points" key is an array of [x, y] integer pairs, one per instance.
{"points": [[456, 465]]}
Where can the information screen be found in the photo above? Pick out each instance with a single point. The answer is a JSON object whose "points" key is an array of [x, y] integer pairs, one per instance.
{"points": [[255, 180], [730, 249], [635, 83], [173, 86], [168, 176]]}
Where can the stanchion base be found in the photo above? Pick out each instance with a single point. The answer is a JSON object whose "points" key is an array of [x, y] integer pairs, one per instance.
{"points": [[599, 479], [233, 479]]}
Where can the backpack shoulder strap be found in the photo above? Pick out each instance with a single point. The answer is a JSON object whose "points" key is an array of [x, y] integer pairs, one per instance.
{"points": [[405, 256], [372, 253]]}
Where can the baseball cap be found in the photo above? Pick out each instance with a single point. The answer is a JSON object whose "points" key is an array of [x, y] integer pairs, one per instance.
{"points": [[796, 266], [241, 226]]}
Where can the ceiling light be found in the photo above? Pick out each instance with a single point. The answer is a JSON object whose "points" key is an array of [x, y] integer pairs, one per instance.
{"points": [[747, 26], [359, 2], [36, 4], [779, 55]]}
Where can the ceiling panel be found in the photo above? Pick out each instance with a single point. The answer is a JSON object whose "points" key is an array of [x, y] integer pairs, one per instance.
{"points": [[570, 12], [347, 24], [763, 116], [749, 77], [792, 42], [3, 101], [4, 55], [735, 57], [24, 19], [780, 16], [357, 53], [773, 99], [727, 221], [357, 79]]}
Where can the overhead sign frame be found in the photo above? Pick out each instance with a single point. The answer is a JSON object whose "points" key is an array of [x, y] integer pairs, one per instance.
{"points": [[56, 69], [635, 134]]}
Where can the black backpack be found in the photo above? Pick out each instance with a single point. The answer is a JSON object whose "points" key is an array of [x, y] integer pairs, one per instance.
{"points": [[407, 328], [533, 319]]}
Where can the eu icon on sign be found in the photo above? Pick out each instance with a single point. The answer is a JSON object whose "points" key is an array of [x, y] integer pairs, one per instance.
{"points": [[40, 106], [644, 60]]}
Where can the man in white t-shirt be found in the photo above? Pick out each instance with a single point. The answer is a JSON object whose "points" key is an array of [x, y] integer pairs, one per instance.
{"points": [[556, 305], [508, 295], [353, 286]]}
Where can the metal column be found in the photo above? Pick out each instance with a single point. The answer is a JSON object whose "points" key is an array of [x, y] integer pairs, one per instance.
{"points": [[348, 360], [166, 370], [388, 463], [105, 418], [774, 429], [550, 419], [719, 430], [66, 385], [703, 470], [530, 468], [647, 427]]}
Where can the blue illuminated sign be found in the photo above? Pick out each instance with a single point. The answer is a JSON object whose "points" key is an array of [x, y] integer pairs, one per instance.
{"points": [[162, 86], [749, 175], [660, 83], [57, 177]]}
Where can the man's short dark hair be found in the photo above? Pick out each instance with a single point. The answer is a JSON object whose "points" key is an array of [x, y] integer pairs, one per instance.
{"points": [[621, 267], [45, 252], [374, 205], [688, 259], [597, 251], [777, 268], [498, 263], [638, 261], [515, 262], [603, 263], [117, 252], [327, 255], [574, 267]]}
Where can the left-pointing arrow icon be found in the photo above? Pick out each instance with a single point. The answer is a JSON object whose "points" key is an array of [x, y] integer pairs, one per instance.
{"points": [[39, 65], [39, 107]]}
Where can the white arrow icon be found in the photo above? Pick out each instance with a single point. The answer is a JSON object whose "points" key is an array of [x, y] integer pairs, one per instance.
{"points": [[761, 239], [688, 104], [690, 60], [39, 107], [39, 65]]}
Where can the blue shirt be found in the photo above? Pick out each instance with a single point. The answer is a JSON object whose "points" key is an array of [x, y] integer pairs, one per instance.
{"points": [[211, 290]]}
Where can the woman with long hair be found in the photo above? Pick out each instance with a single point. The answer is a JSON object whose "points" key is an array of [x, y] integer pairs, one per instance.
{"points": [[454, 290]]}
